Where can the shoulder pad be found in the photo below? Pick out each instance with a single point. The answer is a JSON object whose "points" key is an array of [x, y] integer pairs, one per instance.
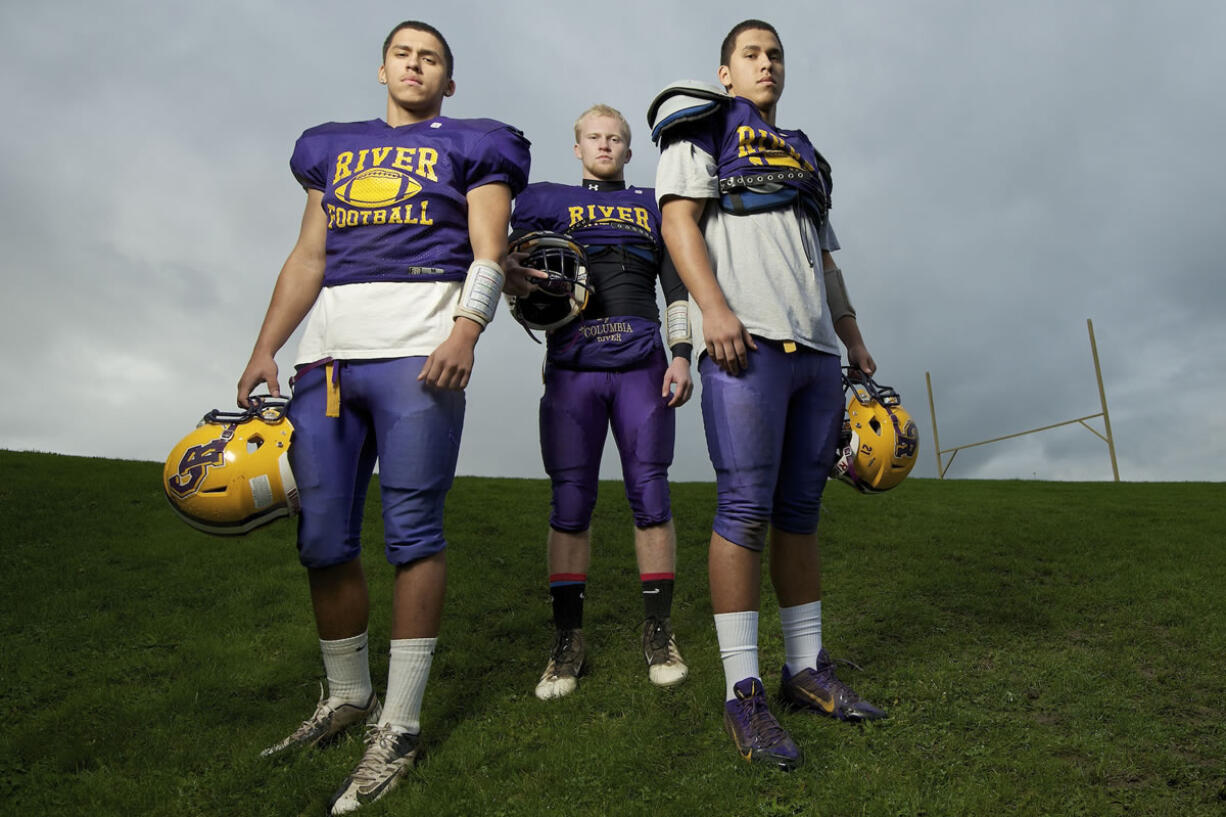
{"points": [[682, 102]]}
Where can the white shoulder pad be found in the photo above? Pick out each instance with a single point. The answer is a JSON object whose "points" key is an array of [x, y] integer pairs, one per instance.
{"points": [[681, 102]]}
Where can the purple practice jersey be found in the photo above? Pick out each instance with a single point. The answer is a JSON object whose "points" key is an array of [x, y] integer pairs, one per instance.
{"points": [[395, 197], [619, 227], [761, 167], [593, 217]]}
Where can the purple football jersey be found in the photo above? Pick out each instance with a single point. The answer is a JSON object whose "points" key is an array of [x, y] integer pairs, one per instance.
{"points": [[592, 217], [620, 229], [755, 157], [395, 197]]}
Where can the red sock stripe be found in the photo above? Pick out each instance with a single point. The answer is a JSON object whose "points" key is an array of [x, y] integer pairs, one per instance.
{"points": [[554, 578], [656, 577]]}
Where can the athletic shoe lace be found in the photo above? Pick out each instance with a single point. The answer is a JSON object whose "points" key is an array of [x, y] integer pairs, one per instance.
{"points": [[660, 636], [765, 731], [318, 718], [827, 678], [382, 750], [564, 649]]}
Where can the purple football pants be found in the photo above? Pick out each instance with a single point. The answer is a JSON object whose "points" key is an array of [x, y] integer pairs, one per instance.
{"points": [[577, 410], [771, 434], [385, 414]]}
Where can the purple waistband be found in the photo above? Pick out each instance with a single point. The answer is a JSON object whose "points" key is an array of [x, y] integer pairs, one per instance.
{"points": [[618, 342]]}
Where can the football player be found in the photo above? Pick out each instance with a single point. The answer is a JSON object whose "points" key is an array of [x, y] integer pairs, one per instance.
{"points": [[609, 369], [405, 220], [744, 207]]}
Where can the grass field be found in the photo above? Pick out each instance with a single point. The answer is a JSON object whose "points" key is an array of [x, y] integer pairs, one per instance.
{"points": [[1042, 649]]}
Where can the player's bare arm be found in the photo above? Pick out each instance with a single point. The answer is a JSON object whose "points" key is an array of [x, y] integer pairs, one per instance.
{"points": [[678, 383], [450, 365], [848, 331], [298, 285], [726, 339], [489, 212], [857, 353]]}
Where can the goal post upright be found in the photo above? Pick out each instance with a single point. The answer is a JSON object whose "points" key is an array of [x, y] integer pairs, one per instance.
{"points": [[1102, 395], [936, 438], [1106, 436]]}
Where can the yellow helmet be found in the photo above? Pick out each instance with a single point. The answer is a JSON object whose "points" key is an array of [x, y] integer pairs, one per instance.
{"points": [[879, 442], [231, 474]]}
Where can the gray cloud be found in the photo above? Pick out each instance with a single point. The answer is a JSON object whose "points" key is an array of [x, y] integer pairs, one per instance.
{"points": [[1001, 174]]}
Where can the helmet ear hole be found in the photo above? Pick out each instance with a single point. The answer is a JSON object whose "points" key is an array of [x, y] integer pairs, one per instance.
{"points": [[253, 443], [875, 425]]}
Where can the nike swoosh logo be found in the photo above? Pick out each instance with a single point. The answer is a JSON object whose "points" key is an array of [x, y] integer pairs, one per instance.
{"points": [[826, 701], [652, 592]]}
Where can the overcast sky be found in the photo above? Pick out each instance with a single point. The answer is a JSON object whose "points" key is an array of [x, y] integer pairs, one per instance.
{"points": [[1003, 171]]}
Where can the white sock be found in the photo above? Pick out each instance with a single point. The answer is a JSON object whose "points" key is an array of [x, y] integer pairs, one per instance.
{"points": [[737, 634], [802, 635], [347, 665], [407, 673]]}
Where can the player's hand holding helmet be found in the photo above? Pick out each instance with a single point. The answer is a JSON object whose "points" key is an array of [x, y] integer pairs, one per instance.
{"points": [[880, 441], [563, 294], [232, 473]]}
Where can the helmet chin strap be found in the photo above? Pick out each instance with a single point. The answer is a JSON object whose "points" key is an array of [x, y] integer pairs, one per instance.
{"points": [[268, 408]]}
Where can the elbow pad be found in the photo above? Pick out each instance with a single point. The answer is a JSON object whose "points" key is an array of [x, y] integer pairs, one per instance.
{"points": [[836, 295]]}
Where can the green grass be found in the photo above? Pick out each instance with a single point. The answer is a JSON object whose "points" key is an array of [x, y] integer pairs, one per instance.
{"points": [[1042, 648]]}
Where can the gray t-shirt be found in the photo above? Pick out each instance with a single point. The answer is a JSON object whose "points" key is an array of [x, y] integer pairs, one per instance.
{"points": [[768, 264]]}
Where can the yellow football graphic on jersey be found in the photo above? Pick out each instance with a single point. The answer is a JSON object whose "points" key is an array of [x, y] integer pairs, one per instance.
{"points": [[378, 187]]}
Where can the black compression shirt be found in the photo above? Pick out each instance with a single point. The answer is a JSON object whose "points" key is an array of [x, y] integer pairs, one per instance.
{"points": [[624, 277]]}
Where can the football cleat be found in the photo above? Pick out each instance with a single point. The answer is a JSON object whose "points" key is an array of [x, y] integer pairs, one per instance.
{"points": [[665, 666], [326, 724], [390, 754], [820, 690], [561, 674], [758, 736], [558, 299], [879, 442], [232, 473]]}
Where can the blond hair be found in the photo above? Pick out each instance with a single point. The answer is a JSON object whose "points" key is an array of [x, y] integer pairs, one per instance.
{"points": [[603, 110]]}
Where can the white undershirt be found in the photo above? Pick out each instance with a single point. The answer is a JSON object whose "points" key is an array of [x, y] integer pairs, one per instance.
{"points": [[380, 319]]}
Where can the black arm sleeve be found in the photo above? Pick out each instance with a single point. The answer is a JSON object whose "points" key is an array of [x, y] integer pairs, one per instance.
{"points": [[670, 281], [674, 290]]}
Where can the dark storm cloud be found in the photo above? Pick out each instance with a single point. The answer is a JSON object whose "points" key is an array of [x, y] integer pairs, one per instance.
{"points": [[1001, 174]]}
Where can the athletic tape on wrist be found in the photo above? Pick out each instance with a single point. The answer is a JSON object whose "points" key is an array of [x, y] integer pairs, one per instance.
{"points": [[677, 318], [479, 298]]}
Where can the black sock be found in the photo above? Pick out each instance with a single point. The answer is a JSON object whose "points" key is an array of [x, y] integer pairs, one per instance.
{"points": [[566, 590], [657, 595]]}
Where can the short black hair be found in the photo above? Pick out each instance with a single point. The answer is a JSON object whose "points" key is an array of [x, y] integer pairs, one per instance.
{"points": [[725, 50], [418, 25]]}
